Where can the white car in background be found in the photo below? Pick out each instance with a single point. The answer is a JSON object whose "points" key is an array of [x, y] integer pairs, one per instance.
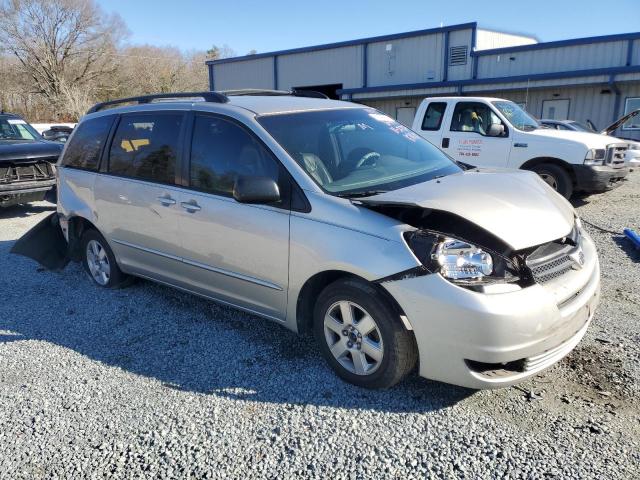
{"points": [[493, 132]]}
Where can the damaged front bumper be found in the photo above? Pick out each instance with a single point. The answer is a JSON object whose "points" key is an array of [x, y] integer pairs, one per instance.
{"points": [[492, 340]]}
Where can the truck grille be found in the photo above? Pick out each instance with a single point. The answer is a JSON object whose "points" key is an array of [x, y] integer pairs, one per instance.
{"points": [[27, 172], [615, 155]]}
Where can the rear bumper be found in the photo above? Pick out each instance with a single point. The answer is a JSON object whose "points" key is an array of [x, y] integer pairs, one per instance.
{"points": [[598, 178], [480, 340]]}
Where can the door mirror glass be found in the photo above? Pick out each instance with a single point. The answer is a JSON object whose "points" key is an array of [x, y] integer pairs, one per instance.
{"points": [[495, 130], [252, 189]]}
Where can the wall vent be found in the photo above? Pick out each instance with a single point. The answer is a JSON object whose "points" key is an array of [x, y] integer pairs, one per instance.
{"points": [[458, 56]]}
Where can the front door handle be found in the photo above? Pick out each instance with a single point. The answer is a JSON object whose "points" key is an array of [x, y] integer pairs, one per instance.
{"points": [[166, 201], [191, 206], [445, 142]]}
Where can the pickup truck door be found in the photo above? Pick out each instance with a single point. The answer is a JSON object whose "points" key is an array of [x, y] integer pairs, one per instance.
{"points": [[466, 138]]}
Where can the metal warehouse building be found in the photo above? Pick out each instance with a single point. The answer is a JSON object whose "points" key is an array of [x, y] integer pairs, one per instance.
{"points": [[593, 78]]}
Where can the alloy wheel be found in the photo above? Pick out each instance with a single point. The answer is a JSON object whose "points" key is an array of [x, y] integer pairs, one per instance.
{"points": [[550, 179], [98, 262], [353, 337]]}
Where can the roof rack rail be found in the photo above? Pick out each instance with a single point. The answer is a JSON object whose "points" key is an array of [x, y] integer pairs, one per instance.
{"points": [[214, 97], [295, 92]]}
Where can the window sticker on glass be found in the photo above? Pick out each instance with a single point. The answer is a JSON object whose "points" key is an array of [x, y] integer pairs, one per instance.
{"points": [[16, 121]]}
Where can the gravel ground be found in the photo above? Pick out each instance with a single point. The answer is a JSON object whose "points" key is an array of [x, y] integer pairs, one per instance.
{"points": [[149, 382]]}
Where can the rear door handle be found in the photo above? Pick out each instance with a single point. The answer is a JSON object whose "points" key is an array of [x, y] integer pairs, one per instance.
{"points": [[166, 201], [190, 206], [445, 142]]}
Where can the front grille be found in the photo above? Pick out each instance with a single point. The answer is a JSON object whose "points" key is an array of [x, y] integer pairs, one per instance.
{"points": [[26, 172], [556, 268], [615, 155], [555, 259]]}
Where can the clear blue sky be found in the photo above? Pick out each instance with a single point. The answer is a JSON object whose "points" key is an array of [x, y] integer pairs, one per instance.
{"points": [[276, 25]]}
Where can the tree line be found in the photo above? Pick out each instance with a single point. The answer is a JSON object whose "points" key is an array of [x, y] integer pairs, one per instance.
{"points": [[59, 57]]}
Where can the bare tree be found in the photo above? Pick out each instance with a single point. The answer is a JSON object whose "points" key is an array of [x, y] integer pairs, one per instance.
{"points": [[216, 52], [65, 47]]}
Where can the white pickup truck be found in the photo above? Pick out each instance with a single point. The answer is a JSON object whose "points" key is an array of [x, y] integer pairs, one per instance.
{"points": [[493, 132]]}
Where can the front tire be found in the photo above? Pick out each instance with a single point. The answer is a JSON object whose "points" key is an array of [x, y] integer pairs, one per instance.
{"points": [[361, 336], [556, 177], [99, 261]]}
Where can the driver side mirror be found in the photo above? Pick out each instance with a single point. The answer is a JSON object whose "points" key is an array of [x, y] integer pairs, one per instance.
{"points": [[495, 130], [250, 189]]}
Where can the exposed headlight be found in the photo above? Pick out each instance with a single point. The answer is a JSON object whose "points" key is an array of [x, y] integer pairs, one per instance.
{"points": [[595, 156], [460, 261]]}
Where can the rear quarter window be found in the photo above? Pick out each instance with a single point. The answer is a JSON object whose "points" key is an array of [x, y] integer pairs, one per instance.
{"points": [[433, 116], [84, 147]]}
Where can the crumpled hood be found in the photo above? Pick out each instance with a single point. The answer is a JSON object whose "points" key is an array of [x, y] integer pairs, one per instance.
{"points": [[16, 151], [514, 205]]}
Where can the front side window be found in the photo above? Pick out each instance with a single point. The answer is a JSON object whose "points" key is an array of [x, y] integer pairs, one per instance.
{"points": [[519, 118], [83, 150], [221, 151], [146, 146], [357, 150], [474, 117], [16, 129], [433, 116], [630, 105]]}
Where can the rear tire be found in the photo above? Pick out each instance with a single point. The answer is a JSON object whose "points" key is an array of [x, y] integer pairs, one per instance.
{"points": [[556, 177], [361, 336], [99, 261]]}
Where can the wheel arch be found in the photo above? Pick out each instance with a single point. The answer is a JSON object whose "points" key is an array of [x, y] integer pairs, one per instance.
{"points": [[534, 162], [77, 226], [311, 289]]}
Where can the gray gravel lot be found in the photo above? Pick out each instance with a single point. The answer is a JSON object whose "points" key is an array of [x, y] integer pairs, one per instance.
{"points": [[147, 382]]}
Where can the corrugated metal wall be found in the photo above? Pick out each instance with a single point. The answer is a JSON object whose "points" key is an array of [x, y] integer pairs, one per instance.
{"points": [[257, 73], [337, 65], [409, 60], [560, 59], [635, 57], [458, 39]]}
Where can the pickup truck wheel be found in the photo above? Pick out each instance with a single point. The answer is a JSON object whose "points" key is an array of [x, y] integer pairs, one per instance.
{"points": [[557, 178], [361, 336], [99, 262]]}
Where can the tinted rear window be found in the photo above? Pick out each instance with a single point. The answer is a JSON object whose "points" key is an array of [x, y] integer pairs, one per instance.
{"points": [[146, 147], [83, 150]]}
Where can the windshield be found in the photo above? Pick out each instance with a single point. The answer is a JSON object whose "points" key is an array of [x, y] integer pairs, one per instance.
{"points": [[16, 129], [516, 115], [351, 151], [581, 127]]}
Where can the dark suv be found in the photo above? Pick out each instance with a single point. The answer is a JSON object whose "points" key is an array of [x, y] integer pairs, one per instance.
{"points": [[27, 162]]}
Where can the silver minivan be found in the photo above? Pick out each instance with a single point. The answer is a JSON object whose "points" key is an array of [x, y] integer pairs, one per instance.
{"points": [[334, 220]]}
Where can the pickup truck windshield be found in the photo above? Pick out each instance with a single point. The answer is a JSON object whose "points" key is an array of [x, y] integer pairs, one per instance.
{"points": [[16, 129], [359, 151], [517, 116]]}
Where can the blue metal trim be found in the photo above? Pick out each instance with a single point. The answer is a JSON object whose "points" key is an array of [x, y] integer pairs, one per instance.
{"points": [[275, 72], [445, 67], [348, 43], [629, 52], [474, 59], [211, 82], [365, 64], [517, 78], [559, 43]]}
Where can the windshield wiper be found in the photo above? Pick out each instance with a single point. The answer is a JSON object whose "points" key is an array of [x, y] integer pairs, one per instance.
{"points": [[366, 193]]}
